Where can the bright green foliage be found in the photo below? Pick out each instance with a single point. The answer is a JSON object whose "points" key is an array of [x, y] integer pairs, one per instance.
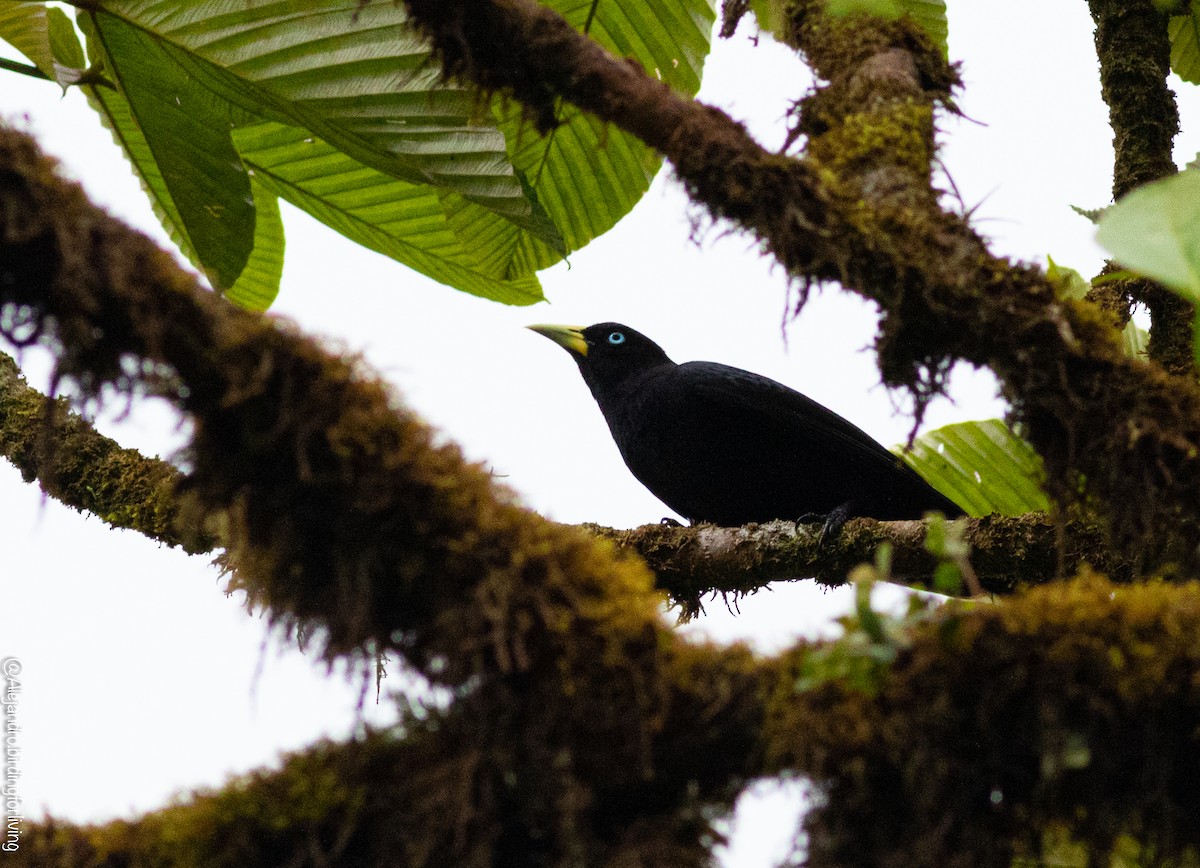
{"points": [[981, 466], [432, 174], [404, 221], [1072, 284], [187, 131], [1155, 230], [1184, 31], [861, 659]]}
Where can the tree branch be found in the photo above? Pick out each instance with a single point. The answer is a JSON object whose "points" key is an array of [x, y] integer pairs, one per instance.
{"points": [[859, 207], [85, 470], [1006, 554], [1134, 50]]}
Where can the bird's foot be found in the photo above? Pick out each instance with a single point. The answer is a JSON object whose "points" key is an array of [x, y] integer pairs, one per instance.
{"points": [[834, 522], [667, 521]]}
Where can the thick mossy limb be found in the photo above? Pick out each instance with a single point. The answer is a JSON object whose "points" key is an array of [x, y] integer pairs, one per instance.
{"points": [[1074, 706], [346, 518]]}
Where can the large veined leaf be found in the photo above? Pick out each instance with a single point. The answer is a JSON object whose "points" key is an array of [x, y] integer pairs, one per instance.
{"points": [[981, 466], [257, 284], [258, 281], [1184, 32], [404, 221], [353, 75]]}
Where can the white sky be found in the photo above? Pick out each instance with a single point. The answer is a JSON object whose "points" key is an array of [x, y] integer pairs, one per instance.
{"points": [[142, 680]]}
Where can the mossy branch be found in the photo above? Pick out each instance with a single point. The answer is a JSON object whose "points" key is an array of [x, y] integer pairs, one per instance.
{"points": [[970, 735], [690, 563], [87, 471], [1134, 50], [860, 207]]}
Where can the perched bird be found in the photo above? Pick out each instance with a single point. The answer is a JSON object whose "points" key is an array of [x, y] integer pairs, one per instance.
{"points": [[722, 445]]}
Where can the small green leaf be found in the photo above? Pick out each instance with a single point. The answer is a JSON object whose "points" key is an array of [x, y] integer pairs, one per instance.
{"points": [[947, 579], [982, 466], [1155, 231], [1184, 33], [1068, 282], [771, 15], [64, 40], [1071, 284]]}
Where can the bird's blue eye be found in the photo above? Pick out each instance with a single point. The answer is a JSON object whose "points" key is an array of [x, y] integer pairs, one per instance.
{"points": [[616, 338]]}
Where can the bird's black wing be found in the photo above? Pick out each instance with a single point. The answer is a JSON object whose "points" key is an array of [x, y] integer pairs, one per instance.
{"points": [[767, 402], [799, 453]]}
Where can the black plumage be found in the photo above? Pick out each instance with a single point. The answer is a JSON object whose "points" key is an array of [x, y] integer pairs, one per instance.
{"points": [[723, 445]]}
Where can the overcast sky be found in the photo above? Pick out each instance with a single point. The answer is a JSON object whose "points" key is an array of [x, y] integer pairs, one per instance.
{"points": [[141, 679]]}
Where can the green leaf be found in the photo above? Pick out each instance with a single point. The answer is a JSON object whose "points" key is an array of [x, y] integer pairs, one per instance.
{"points": [[258, 283], [1071, 284], [1184, 33], [931, 15], [1093, 214], [1155, 231], [404, 221], [188, 135], [982, 466], [352, 74], [771, 15], [483, 195], [24, 26]]}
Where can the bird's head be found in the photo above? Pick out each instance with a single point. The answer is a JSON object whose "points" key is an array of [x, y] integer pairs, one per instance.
{"points": [[607, 352]]}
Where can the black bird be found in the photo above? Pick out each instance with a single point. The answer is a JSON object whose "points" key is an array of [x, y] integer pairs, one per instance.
{"points": [[722, 445]]}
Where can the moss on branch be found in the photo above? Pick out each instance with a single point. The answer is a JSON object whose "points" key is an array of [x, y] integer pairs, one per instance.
{"points": [[1134, 50], [87, 471]]}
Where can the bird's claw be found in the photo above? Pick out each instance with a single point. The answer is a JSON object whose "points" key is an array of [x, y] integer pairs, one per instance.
{"points": [[834, 522], [667, 521]]}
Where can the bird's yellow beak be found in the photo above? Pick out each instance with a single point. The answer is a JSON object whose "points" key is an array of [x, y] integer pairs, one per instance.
{"points": [[570, 338]]}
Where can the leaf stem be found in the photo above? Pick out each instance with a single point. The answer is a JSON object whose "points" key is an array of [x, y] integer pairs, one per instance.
{"points": [[23, 69]]}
